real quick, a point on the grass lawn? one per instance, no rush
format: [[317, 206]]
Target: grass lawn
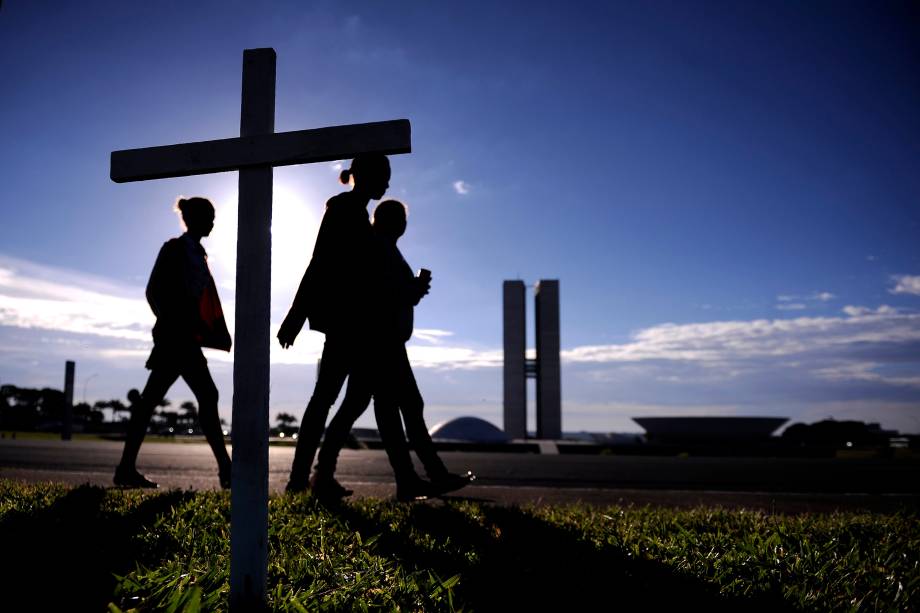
[[48, 436], [89, 548]]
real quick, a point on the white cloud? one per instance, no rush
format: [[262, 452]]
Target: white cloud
[[34, 296], [431, 335], [858, 311], [67, 302], [454, 357], [866, 354], [725, 342], [799, 303], [906, 284], [462, 187], [865, 371]]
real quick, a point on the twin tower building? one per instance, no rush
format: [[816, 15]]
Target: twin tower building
[[545, 368]]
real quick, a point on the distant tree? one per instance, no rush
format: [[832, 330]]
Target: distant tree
[[285, 420], [84, 413], [837, 434], [171, 418], [4, 406], [81, 411], [286, 423], [116, 406], [189, 415], [164, 422], [24, 408], [50, 403], [120, 407]]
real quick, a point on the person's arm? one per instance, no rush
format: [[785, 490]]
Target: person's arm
[[421, 287], [297, 314], [155, 283], [408, 289], [310, 284]]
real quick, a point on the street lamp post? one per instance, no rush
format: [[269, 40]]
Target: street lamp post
[[86, 382]]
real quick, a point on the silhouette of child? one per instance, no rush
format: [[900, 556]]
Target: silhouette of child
[[396, 390], [183, 297]]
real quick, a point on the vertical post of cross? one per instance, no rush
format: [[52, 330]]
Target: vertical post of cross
[[249, 493], [67, 421]]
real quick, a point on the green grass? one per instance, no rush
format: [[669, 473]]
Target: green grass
[[89, 548], [48, 436]]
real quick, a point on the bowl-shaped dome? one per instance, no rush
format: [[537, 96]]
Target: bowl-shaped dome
[[709, 428], [469, 429]]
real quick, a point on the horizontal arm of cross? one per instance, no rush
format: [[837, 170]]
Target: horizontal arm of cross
[[278, 149]]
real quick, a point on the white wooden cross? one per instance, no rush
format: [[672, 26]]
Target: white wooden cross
[[257, 150]]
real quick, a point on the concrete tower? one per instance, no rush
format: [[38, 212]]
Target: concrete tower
[[545, 369], [549, 383], [515, 377]]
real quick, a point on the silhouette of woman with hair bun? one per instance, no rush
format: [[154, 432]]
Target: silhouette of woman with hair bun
[[182, 294], [337, 294]]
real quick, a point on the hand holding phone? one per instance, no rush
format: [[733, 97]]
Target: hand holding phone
[[424, 278]]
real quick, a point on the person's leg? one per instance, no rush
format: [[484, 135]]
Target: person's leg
[[158, 383], [333, 369], [357, 397], [199, 380], [388, 394], [412, 406]]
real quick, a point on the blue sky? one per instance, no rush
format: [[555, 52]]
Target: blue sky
[[727, 192]]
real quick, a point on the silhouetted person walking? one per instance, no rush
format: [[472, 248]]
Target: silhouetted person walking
[[336, 293], [182, 294], [395, 390]]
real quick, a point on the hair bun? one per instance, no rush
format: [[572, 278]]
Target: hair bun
[[345, 176]]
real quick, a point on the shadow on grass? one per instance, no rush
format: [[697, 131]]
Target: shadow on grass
[[64, 557], [510, 560]]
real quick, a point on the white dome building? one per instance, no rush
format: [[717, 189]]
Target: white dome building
[[468, 430]]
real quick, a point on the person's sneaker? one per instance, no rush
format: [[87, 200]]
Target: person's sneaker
[[297, 484], [224, 477], [327, 488], [450, 482], [413, 490], [132, 478]]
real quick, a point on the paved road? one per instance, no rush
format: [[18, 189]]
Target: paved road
[[782, 484]]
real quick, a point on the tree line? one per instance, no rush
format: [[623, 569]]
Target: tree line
[[31, 409], [27, 409]]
